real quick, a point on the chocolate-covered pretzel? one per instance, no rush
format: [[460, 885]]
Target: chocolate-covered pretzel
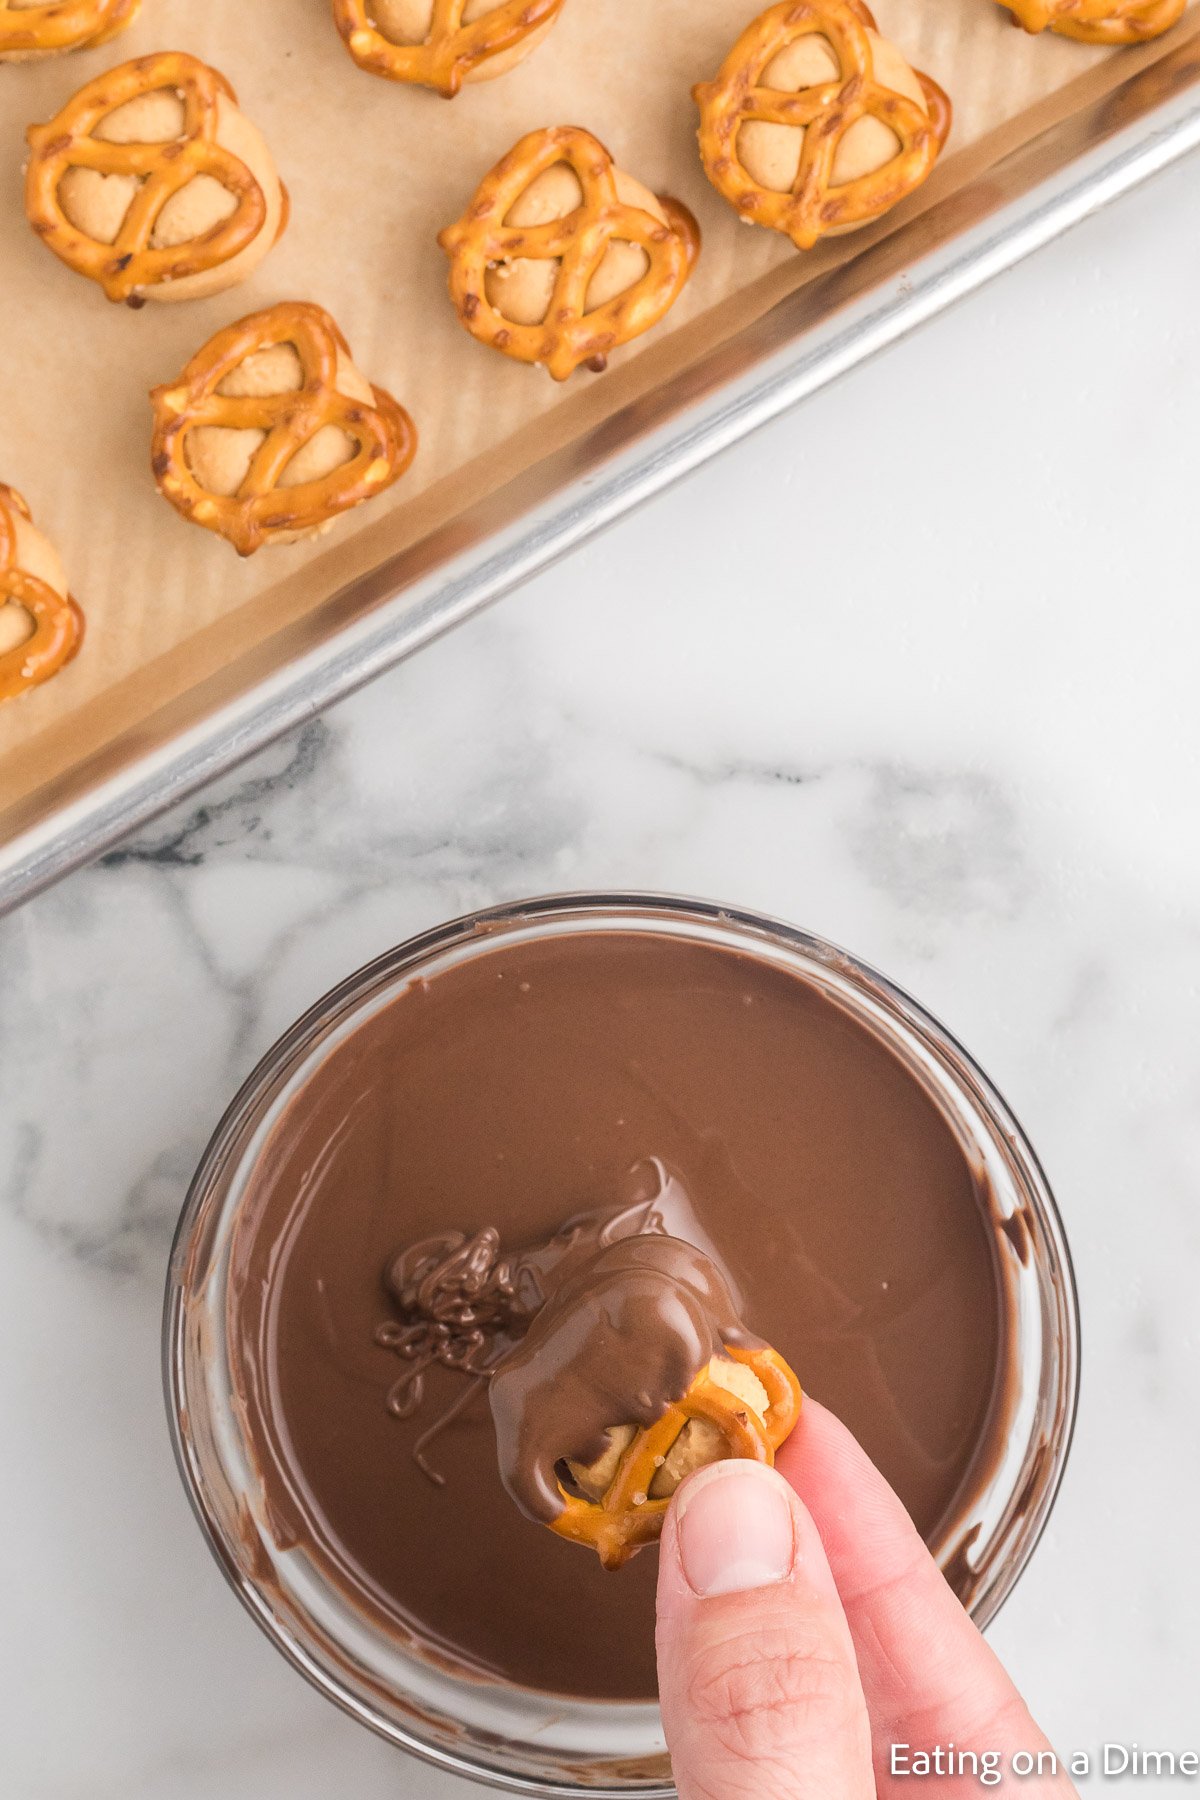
[[630, 1510]]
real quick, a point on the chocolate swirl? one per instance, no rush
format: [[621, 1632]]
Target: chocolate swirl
[[457, 1302]]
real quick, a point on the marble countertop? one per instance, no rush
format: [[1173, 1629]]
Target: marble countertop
[[914, 668]]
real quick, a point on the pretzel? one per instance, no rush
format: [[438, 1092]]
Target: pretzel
[[627, 1517], [28, 31], [453, 51], [568, 334], [1098, 21], [825, 113], [57, 620], [132, 263], [260, 511]]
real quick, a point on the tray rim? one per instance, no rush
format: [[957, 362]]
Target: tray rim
[[786, 356]]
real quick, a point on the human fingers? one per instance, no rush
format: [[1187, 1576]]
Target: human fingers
[[929, 1678], [760, 1695]]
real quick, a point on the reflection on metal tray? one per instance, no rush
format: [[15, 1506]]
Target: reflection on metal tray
[[1124, 132]]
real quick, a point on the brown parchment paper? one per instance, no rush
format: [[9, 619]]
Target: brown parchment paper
[[374, 170]]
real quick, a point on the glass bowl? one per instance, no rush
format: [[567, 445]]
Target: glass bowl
[[517, 1739]]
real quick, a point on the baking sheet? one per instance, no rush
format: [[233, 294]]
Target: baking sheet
[[374, 171]]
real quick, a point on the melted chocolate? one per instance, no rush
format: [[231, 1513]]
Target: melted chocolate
[[521, 1088], [617, 1342], [606, 1323]]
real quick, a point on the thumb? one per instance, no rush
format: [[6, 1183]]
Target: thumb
[[758, 1683]]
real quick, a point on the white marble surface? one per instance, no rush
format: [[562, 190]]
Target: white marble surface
[[915, 668]]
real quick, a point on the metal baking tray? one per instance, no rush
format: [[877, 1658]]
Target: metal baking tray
[[1127, 116]]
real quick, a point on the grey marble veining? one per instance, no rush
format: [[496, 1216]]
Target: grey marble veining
[[938, 706]]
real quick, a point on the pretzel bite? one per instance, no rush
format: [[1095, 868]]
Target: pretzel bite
[[153, 184], [561, 256], [1098, 21], [816, 125], [36, 28], [271, 431], [41, 627], [743, 1403], [442, 43], [700, 1442]]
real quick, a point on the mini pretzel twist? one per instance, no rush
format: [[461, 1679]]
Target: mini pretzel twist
[[57, 620], [627, 1518], [384, 436], [579, 241], [67, 142], [1098, 21], [452, 50], [825, 114], [62, 25]]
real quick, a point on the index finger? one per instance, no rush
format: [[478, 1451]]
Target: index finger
[[929, 1678]]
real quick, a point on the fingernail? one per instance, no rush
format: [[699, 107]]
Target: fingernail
[[734, 1523]]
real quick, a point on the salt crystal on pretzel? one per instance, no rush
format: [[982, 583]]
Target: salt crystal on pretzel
[[815, 125]]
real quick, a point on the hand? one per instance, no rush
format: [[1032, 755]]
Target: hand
[[804, 1629]]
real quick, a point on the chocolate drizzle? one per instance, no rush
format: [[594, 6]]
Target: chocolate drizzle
[[456, 1302], [462, 1305]]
